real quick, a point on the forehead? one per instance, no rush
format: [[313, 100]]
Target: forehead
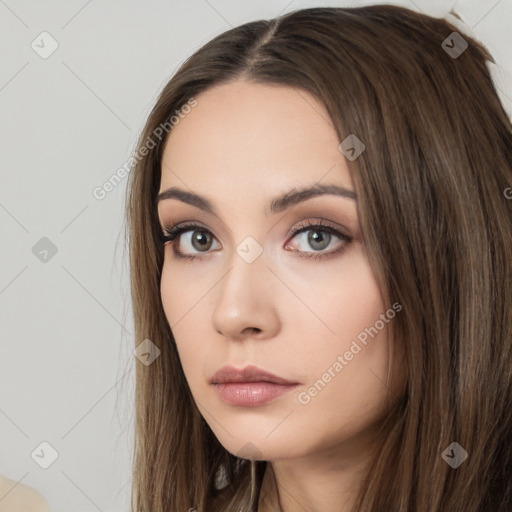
[[250, 137]]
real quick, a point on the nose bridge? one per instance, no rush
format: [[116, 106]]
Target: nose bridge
[[244, 297], [247, 270]]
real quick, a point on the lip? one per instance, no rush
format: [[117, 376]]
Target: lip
[[251, 394], [250, 386], [249, 373]]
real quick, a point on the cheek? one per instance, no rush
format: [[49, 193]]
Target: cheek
[[182, 289], [184, 293], [178, 300], [344, 298], [168, 293], [347, 364]]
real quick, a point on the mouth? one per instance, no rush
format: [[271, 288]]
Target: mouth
[[249, 373], [250, 386], [251, 394]]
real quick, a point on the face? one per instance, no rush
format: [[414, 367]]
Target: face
[[287, 289]]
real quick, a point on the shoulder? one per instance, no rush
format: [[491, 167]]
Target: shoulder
[[18, 497]]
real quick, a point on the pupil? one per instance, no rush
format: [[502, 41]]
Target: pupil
[[317, 237], [200, 238]]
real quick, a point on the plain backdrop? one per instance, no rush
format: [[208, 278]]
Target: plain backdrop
[[68, 121]]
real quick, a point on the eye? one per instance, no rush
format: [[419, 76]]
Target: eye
[[197, 237], [319, 237]]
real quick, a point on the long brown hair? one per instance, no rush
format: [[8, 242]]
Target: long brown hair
[[437, 228]]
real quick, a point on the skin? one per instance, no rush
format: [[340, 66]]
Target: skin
[[17, 497], [242, 145]]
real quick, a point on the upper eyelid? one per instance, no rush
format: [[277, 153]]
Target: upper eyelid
[[286, 202], [304, 226]]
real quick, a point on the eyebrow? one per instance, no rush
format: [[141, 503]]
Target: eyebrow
[[277, 205]]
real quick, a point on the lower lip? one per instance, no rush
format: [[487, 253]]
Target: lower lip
[[251, 394]]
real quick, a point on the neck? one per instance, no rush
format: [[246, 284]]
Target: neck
[[327, 481]]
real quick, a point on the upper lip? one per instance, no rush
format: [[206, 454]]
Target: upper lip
[[247, 374]]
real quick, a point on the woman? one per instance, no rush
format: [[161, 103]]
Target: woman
[[321, 247]]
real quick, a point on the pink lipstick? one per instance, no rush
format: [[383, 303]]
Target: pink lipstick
[[250, 386]]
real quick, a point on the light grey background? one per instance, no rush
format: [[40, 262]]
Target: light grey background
[[67, 123]]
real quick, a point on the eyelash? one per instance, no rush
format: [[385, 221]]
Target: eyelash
[[174, 232]]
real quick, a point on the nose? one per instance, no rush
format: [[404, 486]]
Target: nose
[[245, 304]]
